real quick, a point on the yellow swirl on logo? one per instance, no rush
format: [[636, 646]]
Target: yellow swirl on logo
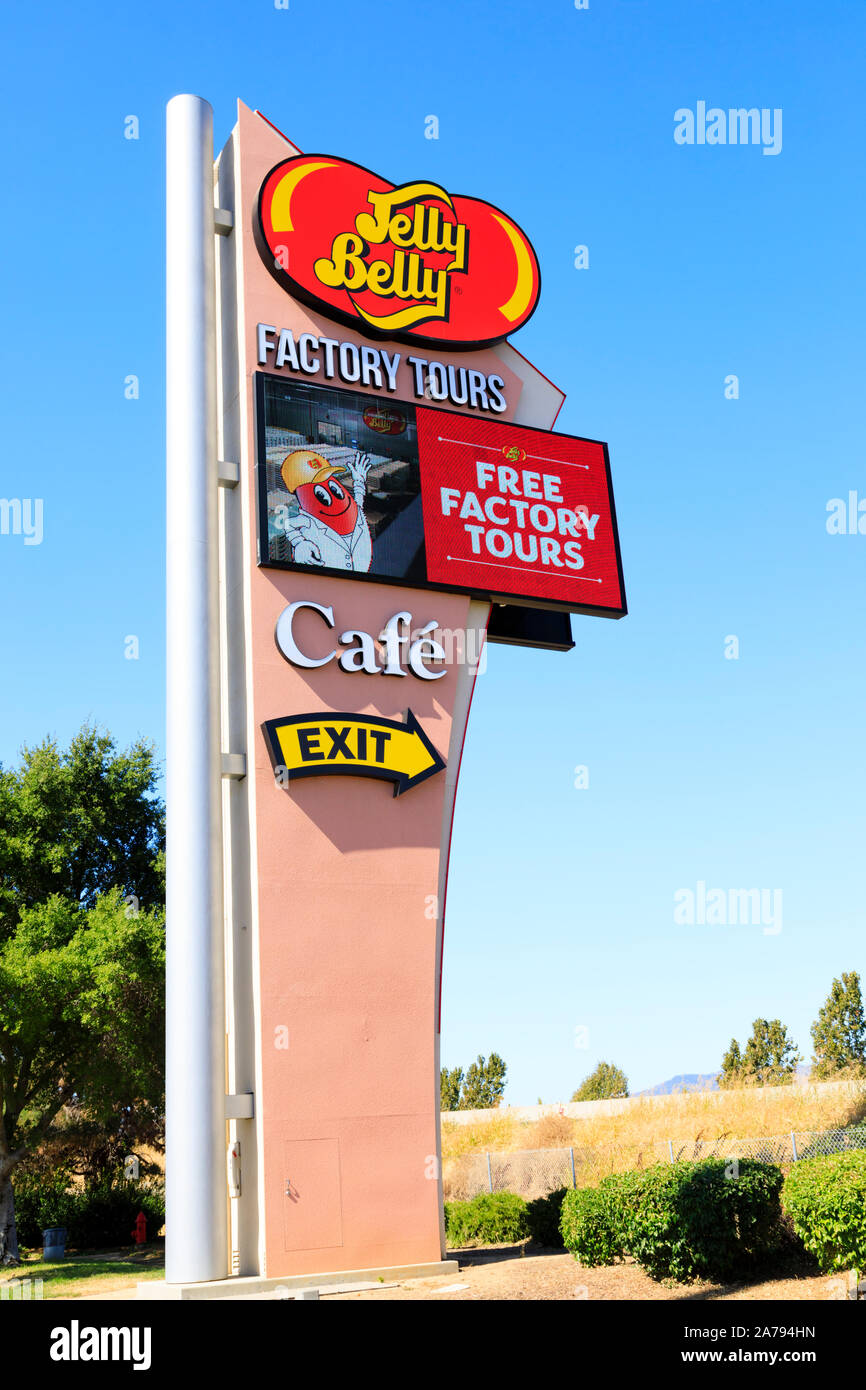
[[402, 318], [522, 292], [281, 199]]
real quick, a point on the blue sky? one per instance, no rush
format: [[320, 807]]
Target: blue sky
[[705, 261]]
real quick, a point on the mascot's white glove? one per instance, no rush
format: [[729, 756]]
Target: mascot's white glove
[[304, 550], [359, 466]]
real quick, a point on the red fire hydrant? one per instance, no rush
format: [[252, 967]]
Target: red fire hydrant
[[139, 1234]]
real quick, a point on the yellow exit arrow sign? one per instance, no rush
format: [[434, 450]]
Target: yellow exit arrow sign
[[358, 745]]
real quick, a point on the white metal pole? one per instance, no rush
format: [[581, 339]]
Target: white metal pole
[[196, 1236]]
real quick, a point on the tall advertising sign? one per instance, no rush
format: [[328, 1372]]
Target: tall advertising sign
[[391, 488]]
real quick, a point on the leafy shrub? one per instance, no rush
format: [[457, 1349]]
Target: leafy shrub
[[99, 1215], [682, 1221], [38, 1206], [586, 1229], [826, 1200], [688, 1221], [620, 1193], [493, 1218], [544, 1215], [754, 1199], [106, 1214]]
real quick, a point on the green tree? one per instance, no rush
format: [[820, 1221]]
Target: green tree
[[480, 1089], [94, 1149], [770, 1057], [607, 1082], [839, 1032], [731, 1073], [484, 1084], [82, 944], [450, 1084]]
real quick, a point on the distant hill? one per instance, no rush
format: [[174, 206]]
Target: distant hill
[[699, 1081], [687, 1081]]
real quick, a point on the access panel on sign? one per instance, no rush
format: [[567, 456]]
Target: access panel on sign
[[312, 1201]]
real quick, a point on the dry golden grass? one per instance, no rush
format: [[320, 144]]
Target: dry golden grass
[[749, 1113], [551, 1132], [497, 1134]]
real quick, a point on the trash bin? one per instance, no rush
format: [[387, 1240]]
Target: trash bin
[[54, 1243]]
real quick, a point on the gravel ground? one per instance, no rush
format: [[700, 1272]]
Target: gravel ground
[[507, 1272]]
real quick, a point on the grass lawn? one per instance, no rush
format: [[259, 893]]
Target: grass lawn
[[89, 1271]]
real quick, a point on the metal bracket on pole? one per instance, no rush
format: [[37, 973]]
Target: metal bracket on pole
[[234, 766], [240, 1107], [228, 473], [223, 221]]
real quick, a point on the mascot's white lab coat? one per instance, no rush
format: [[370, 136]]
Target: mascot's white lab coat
[[315, 543]]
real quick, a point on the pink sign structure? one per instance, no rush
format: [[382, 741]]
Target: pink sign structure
[[304, 990]]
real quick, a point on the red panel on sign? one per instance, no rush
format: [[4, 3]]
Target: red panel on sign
[[513, 510]]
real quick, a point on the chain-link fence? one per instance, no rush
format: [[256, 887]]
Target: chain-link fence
[[529, 1172], [535, 1172], [780, 1148]]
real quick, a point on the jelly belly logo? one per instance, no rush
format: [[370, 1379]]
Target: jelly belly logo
[[383, 420], [411, 262]]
